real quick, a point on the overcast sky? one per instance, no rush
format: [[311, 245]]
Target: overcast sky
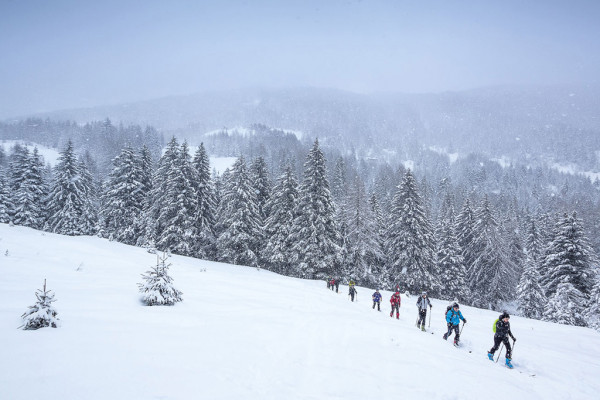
[[63, 54]]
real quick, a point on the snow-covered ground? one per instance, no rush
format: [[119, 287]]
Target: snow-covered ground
[[244, 333], [572, 169], [50, 155]]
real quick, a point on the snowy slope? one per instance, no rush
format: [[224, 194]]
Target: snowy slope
[[50, 155], [241, 333]]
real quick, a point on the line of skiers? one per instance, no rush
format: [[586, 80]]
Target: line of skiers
[[453, 317], [333, 283]]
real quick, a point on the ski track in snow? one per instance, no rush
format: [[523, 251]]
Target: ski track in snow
[[241, 333]]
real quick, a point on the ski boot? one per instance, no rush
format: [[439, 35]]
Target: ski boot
[[445, 336], [423, 328], [456, 343], [508, 363], [491, 356]]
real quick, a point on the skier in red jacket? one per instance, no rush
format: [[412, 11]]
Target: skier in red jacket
[[395, 301]]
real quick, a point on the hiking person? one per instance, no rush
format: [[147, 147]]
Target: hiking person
[[453, 317], [376, 300], [352, 290], [337, 285], [328, 282], [502, 329], [395, 301], [332, 283], [422, 305]]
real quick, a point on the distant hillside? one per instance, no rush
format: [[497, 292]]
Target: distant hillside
[[558, 123]]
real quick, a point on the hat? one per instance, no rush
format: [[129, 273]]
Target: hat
[[504, 315], [424, 294], [455, 305]]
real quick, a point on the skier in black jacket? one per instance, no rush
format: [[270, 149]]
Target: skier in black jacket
[[501, 336]]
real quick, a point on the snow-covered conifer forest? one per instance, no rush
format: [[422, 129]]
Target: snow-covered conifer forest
[[517, 236]]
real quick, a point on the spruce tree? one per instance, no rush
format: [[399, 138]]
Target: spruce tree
[[259, 175], [123, 199], [314, 231], [18, 165], [207, 204], [529, 292], [5, 199], [89, 219], [69, 199], [239, 241], [365, 253], [181, 228], [569, 258], [464, 230], [490, 274], [566, 306], [593, 312], [339, 182], [157, 288], [282, 205], [410, 241], [141, 225], [42, 314], [534, 247], [30, 191], [173, 205], [512, 238], [449, 258], [378, 220]]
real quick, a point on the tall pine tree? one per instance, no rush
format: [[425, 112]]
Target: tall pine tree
[[31, 191], [410, 241], [464, 230], [365, 253], [568, 272], [529, 291], [123, 200], [207, 204], [449, 258], [5, 199], [239, 242], [490, 274], [314, 231], [282, 206], [69, 201]]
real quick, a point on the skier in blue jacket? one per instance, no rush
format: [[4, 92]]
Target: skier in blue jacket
[[377, 300], [453, 317]]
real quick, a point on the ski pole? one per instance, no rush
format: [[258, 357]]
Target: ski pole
[[429, 325], [500, 352], [514, 344], [463, 327]]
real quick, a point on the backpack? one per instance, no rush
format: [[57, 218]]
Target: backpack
[[495, 322], [448, 309]]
